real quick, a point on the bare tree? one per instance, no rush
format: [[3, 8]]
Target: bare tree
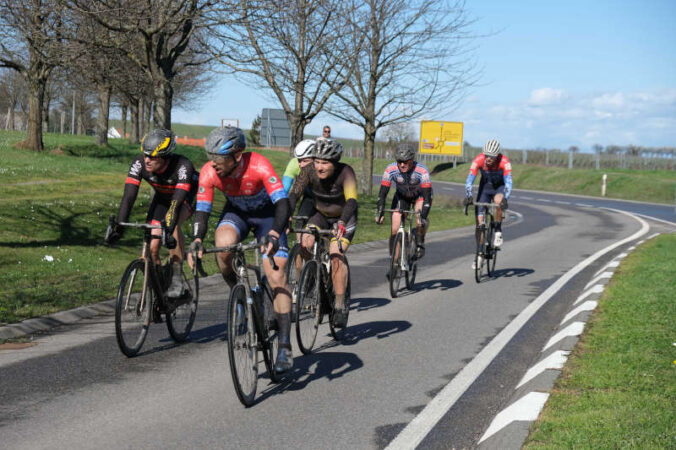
[[31, 34], [292, 47], [414, 61], [14, 92], [398, 133], [162, 30]]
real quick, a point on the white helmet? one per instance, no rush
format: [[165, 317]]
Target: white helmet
[[492, 148], [305, 149]]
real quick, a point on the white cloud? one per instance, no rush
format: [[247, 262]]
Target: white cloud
[[613, 101], [546, 96]]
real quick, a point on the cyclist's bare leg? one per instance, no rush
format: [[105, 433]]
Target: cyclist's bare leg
[[422, 230], [477, 233], [339, 272], [278, 284], [396, 221], [307, 242], [177, 254], [155, 245], [498, 211], [226, 235]]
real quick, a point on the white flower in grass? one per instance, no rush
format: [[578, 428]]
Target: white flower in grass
[[48, 258]]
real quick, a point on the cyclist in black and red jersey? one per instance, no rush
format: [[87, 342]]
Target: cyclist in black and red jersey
[[413, 188], [256, 201], [333, 186], [174, 180]]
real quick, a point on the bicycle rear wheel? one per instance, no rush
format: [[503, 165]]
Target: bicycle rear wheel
[[242, 346], [181, 315], [412, 260], [339, 333], [479, 261], [132, 309], [395, 266], [307, 306], [490, 250]]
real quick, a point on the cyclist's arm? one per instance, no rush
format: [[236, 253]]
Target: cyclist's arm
[[350, 193], [275, 190], [131, 186], [290, 174], [384, 190], [426, 191], [299, 185], [506, 175], [473, 171], [185, 171], [205, 198]]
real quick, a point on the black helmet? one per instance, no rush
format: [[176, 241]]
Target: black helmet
[[224, 141], [159, 142], [405, 151], [328, 149]]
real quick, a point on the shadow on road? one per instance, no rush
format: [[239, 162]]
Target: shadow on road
[[514, 272], [364, 303], [442, 285]]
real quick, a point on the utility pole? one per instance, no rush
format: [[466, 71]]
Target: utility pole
[[72, 119]]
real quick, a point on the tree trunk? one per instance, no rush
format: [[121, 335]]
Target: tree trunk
[[63, 120], [147, 110], [297, 127], [366, 182], [164, 96], [102, 120], [10, 117], [124, 120], [34, 132], [133, 111], [45, 113]]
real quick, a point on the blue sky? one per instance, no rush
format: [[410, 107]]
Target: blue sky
[[555, 74]]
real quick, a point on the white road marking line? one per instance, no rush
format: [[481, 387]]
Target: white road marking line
[[526, 198], [421, 425], [656, 219], [599, 278], [583, 204], [527, 408], [631, 249], [594, 290], [544, 200], [561, 203], [589, 305], [574, 329], [449, 189], [624, 255], [652, 236], [554, 361], [610, 265]]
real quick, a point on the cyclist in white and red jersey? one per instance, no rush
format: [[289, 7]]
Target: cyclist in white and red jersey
[[495, 185], [413, 188], [174, 180], [256, 201]]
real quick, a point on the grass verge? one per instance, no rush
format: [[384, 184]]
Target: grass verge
[[55, 210], [618, 388]]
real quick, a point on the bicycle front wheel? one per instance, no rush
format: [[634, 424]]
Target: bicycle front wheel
[[412, 260], [395, 266], [270, 330], [293, 268], [307, 306], [181, 315], [489, 250], [242, 346], [132, 309]]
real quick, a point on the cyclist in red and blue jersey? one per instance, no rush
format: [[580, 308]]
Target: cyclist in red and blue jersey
[[256, 201], [174, 180], [413, 187], [495, 185]]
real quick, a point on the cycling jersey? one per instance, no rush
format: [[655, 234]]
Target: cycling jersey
[[410, 186], [251, 190], [492, 177], [173, 186], [335, 196], [290, 174]]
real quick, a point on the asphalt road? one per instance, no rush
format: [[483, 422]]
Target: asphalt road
[[75, 389]]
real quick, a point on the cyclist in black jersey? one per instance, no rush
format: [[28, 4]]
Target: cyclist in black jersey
[[174, 180], [413, 188], [333, 186]]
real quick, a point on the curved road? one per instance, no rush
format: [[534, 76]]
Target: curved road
[[75, 389]]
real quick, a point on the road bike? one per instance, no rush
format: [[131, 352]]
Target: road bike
[[403, 262], [486, 253], [142, 297], [295, 264], [314, 291], [251, 326]]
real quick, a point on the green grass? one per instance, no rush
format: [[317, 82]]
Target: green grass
[[642, 185], [618, 389], [56, 205]]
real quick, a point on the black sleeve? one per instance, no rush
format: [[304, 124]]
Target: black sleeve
[[427, 202], [128, 199], [282, 214], [382, 196], [349, 210], [199, 229]]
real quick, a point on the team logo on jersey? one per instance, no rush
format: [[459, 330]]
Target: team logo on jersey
[[272, 180], [182, 173], [135, 168], [400, 179], [201, 190]]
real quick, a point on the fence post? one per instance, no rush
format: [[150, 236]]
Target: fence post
[[598, 160], [603, 186], [570, 159], [525, 156], [546, 157]]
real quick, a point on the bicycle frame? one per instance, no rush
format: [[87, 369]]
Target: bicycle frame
[[405, 232]]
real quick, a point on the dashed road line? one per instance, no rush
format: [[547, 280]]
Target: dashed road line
[[554, 361], [574, 329], [589, 305], [606, 274], [593, 290], [527, 408]]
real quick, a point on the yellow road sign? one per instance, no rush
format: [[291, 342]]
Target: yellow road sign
[[441, 137]]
